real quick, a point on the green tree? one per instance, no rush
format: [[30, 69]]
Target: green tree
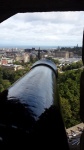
[[6, 84], [66, 111], [1, 88]]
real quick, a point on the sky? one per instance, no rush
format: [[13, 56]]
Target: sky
[[43, 29]]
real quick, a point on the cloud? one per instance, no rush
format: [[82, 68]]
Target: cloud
[[47, 28]]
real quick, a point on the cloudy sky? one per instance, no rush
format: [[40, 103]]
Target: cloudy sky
[[43, 29]]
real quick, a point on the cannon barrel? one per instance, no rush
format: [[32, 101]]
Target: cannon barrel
[[30, 109]]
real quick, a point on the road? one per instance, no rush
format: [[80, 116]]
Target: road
[[74, 143]]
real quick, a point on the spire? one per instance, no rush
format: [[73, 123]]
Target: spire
[[39, 53], [83, 48]]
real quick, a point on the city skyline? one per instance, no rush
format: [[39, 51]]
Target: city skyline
[[42, 29]]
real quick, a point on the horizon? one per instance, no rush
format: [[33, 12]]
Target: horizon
[[34, 46]]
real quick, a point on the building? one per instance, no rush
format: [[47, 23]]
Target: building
[[4, 61], [22, 57], [62, 54], [26, 57], [71, 54], [13, 67]]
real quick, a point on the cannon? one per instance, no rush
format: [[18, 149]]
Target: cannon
[[30, 111]]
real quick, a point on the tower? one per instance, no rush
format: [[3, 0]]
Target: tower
[[83, 48], [39, 53]]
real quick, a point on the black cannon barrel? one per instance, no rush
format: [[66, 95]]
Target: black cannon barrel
[[30, 109]]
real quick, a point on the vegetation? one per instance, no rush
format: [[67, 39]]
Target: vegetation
[[9, 77], [69, 91], [56, 61], [74, 65]]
